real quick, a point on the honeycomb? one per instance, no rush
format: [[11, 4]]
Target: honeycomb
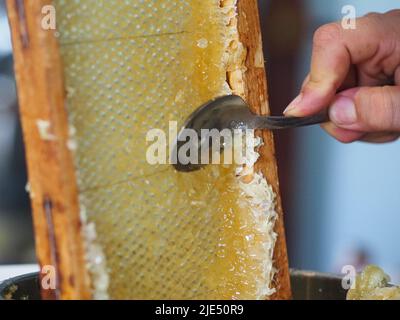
[[151, 232], [373, 284]]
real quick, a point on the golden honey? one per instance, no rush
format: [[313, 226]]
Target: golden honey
[[373, 284], [153, 233]]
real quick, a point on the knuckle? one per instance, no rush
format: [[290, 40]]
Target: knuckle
[[372, 21], [327, 33], [373, 16], [395, 13]]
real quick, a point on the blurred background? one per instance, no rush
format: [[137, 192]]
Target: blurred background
[[342, 202]]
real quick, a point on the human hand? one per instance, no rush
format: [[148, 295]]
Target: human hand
[[357, 74]]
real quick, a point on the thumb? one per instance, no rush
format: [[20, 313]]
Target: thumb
[[367, 109]]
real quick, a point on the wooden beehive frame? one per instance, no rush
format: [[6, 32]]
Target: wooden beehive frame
[[257, 97], [54, 195], [54, 192]]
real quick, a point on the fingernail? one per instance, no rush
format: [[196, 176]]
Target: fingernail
[[343, 111], [292, 106]]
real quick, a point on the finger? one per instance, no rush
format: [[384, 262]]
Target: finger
[[375, 109], [305, 81], [380, 137], [350, 81], [342, 135], [334, 51], [348, 136], [397, 76], [366, 79]]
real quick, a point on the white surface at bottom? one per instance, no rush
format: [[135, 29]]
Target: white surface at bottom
[[10, 271]]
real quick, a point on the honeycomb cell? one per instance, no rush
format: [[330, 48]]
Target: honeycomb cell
[[131, 66]]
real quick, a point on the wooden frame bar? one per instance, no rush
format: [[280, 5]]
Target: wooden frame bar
[[53, 187], [257, 97]]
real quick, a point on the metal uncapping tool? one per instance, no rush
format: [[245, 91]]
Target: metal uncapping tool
[[232, 112]]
